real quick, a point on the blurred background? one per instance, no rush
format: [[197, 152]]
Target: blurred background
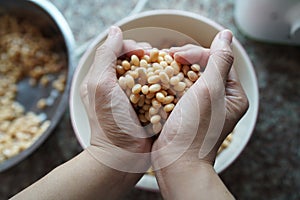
[[268, 168]]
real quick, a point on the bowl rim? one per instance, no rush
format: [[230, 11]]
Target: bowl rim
[[69, 41], [173, 12]]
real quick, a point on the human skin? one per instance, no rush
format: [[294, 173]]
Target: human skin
[[88, 176], [119, 155], [201, 120]]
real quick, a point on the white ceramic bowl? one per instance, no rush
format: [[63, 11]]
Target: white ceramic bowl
[[179, 26]]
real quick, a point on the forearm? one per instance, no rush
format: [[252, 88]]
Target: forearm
[[81, 178], [191, 182]]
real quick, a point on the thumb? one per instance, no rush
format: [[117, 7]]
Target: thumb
[[113, 42], [102, 72], [221, 56], [105, 57], [214, 78], [110, 49]]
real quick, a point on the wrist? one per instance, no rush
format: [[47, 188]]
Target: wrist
[[184, 168], [173, 159], [119, 159], [108, 182], [167, 169], [182, 180]]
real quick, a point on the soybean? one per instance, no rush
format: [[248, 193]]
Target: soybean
[[154, 83]]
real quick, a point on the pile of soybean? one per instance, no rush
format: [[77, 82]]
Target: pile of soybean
[[154, 84]]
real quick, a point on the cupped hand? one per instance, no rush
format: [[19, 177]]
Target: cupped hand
[[117, 138], [207, 112]]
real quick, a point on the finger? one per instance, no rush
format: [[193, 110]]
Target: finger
[[102, 75], [214, 79], [190, 54], [234, 90], [146, 47], [233, 82], [237, 101], [173, 50], [131, 47], [221, 56], [113, 42], [193, 55], [107, 53]]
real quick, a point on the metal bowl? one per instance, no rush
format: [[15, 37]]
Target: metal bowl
[[51, 22]]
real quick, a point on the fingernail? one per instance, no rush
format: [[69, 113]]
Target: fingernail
[[226, 36]]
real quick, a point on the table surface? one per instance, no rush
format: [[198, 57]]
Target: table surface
[[269, 166]]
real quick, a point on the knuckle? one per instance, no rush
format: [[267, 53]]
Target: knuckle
[[241, 107], [144, 45], [224, 55], [244, 104], [190, 45]]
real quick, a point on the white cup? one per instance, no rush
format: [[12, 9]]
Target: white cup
[[269, 20]]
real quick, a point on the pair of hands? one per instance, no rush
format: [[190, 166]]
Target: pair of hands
[[195, 129], [120, 151]]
